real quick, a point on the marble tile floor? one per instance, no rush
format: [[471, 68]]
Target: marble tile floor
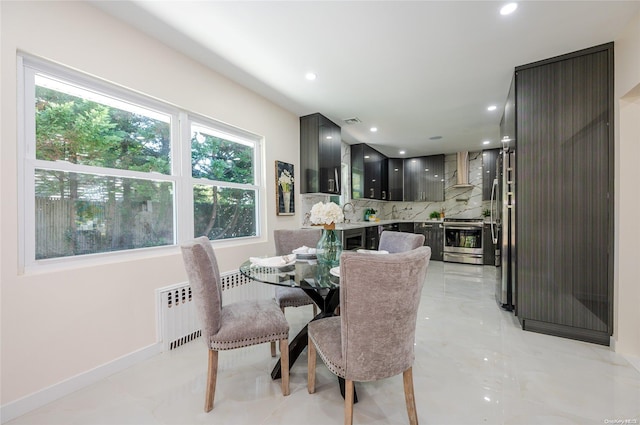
[[474, 365]]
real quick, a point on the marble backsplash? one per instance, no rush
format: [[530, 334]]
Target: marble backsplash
[[459, 202]]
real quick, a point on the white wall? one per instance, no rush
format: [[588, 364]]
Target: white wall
[[56, 325], [627, 232]]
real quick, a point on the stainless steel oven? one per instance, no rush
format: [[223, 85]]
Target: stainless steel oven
[[463, 240]]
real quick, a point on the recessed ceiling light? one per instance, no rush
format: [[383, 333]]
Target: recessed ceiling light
[[373, 129], [508, 8], [402, 152], [492, 108], [310, 76], [486, 142]]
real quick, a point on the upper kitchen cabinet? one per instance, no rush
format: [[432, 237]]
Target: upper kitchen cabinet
[[320, 155], [489, 159], [369, 173], [396, 179], [424, 178]]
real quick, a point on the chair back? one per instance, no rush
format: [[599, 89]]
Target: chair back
[[204, 276], [379, 299], [288, 240], [395, 242]]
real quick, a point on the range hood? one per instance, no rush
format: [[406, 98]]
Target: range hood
[[462, 172]]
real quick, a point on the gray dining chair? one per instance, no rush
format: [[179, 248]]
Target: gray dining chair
[[286, 240], [236, 325], [395, 242], [374, 336]]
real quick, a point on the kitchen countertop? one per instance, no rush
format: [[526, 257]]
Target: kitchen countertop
[[358, 224]]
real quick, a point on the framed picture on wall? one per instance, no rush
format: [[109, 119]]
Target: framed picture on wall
[[285, 199]]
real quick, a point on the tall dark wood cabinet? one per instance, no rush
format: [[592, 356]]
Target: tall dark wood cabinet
[[320, 155], [396, 179], [564, 195], [369, 173]]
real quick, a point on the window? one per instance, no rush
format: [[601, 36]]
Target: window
[[103, 170], [224, 190]]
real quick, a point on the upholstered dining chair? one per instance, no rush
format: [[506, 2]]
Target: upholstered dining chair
[[287, 240], [374, 336], [395, 242], [236, 325]]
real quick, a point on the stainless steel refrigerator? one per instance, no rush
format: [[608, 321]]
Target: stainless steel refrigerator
[[503, 203]]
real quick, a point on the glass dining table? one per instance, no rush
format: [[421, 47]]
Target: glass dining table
[[320, 282]]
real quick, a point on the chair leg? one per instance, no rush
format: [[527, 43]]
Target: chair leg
[[311, 367], [284, 365], [407, 377], [273, 343], [212, 375], [315, 310], [348, 402]]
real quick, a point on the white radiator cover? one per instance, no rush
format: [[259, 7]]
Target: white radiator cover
[[178, 321]]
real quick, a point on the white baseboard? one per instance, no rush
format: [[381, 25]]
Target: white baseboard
[[45, 396], [635, 361]]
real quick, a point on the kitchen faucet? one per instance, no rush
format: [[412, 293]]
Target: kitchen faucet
[[344, 207]]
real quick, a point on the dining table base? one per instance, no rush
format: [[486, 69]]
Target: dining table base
[[327, 304]]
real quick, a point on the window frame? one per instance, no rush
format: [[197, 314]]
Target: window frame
[[180, 174]]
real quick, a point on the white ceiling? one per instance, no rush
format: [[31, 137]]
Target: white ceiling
[[413, 69]]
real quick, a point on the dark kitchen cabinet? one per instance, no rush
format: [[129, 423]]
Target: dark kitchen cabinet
[[564, 188], [488, 247], [489, 159], [424, 178], [369, 173], [406, 227], [433, 237], [372, 237], [320, 155], [396, 179]]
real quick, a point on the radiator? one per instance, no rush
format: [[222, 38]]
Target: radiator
[[177, 316]]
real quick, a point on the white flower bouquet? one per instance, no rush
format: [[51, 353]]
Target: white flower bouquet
[[285, 181], [326, 214]]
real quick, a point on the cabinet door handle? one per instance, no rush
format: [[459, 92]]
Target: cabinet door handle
[[384, 194], [335, 171], [371, 195]]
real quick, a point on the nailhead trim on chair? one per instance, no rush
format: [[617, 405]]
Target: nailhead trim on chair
[[230, 345], [294, 304], [333, 367]]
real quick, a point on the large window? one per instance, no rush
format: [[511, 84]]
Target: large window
[[224, 191], [103, 170]]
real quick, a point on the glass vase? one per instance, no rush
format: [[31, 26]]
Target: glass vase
[[329, 247], [328, 252]]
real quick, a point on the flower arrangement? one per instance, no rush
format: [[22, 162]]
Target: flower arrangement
[[285, 181], [326, 214]]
